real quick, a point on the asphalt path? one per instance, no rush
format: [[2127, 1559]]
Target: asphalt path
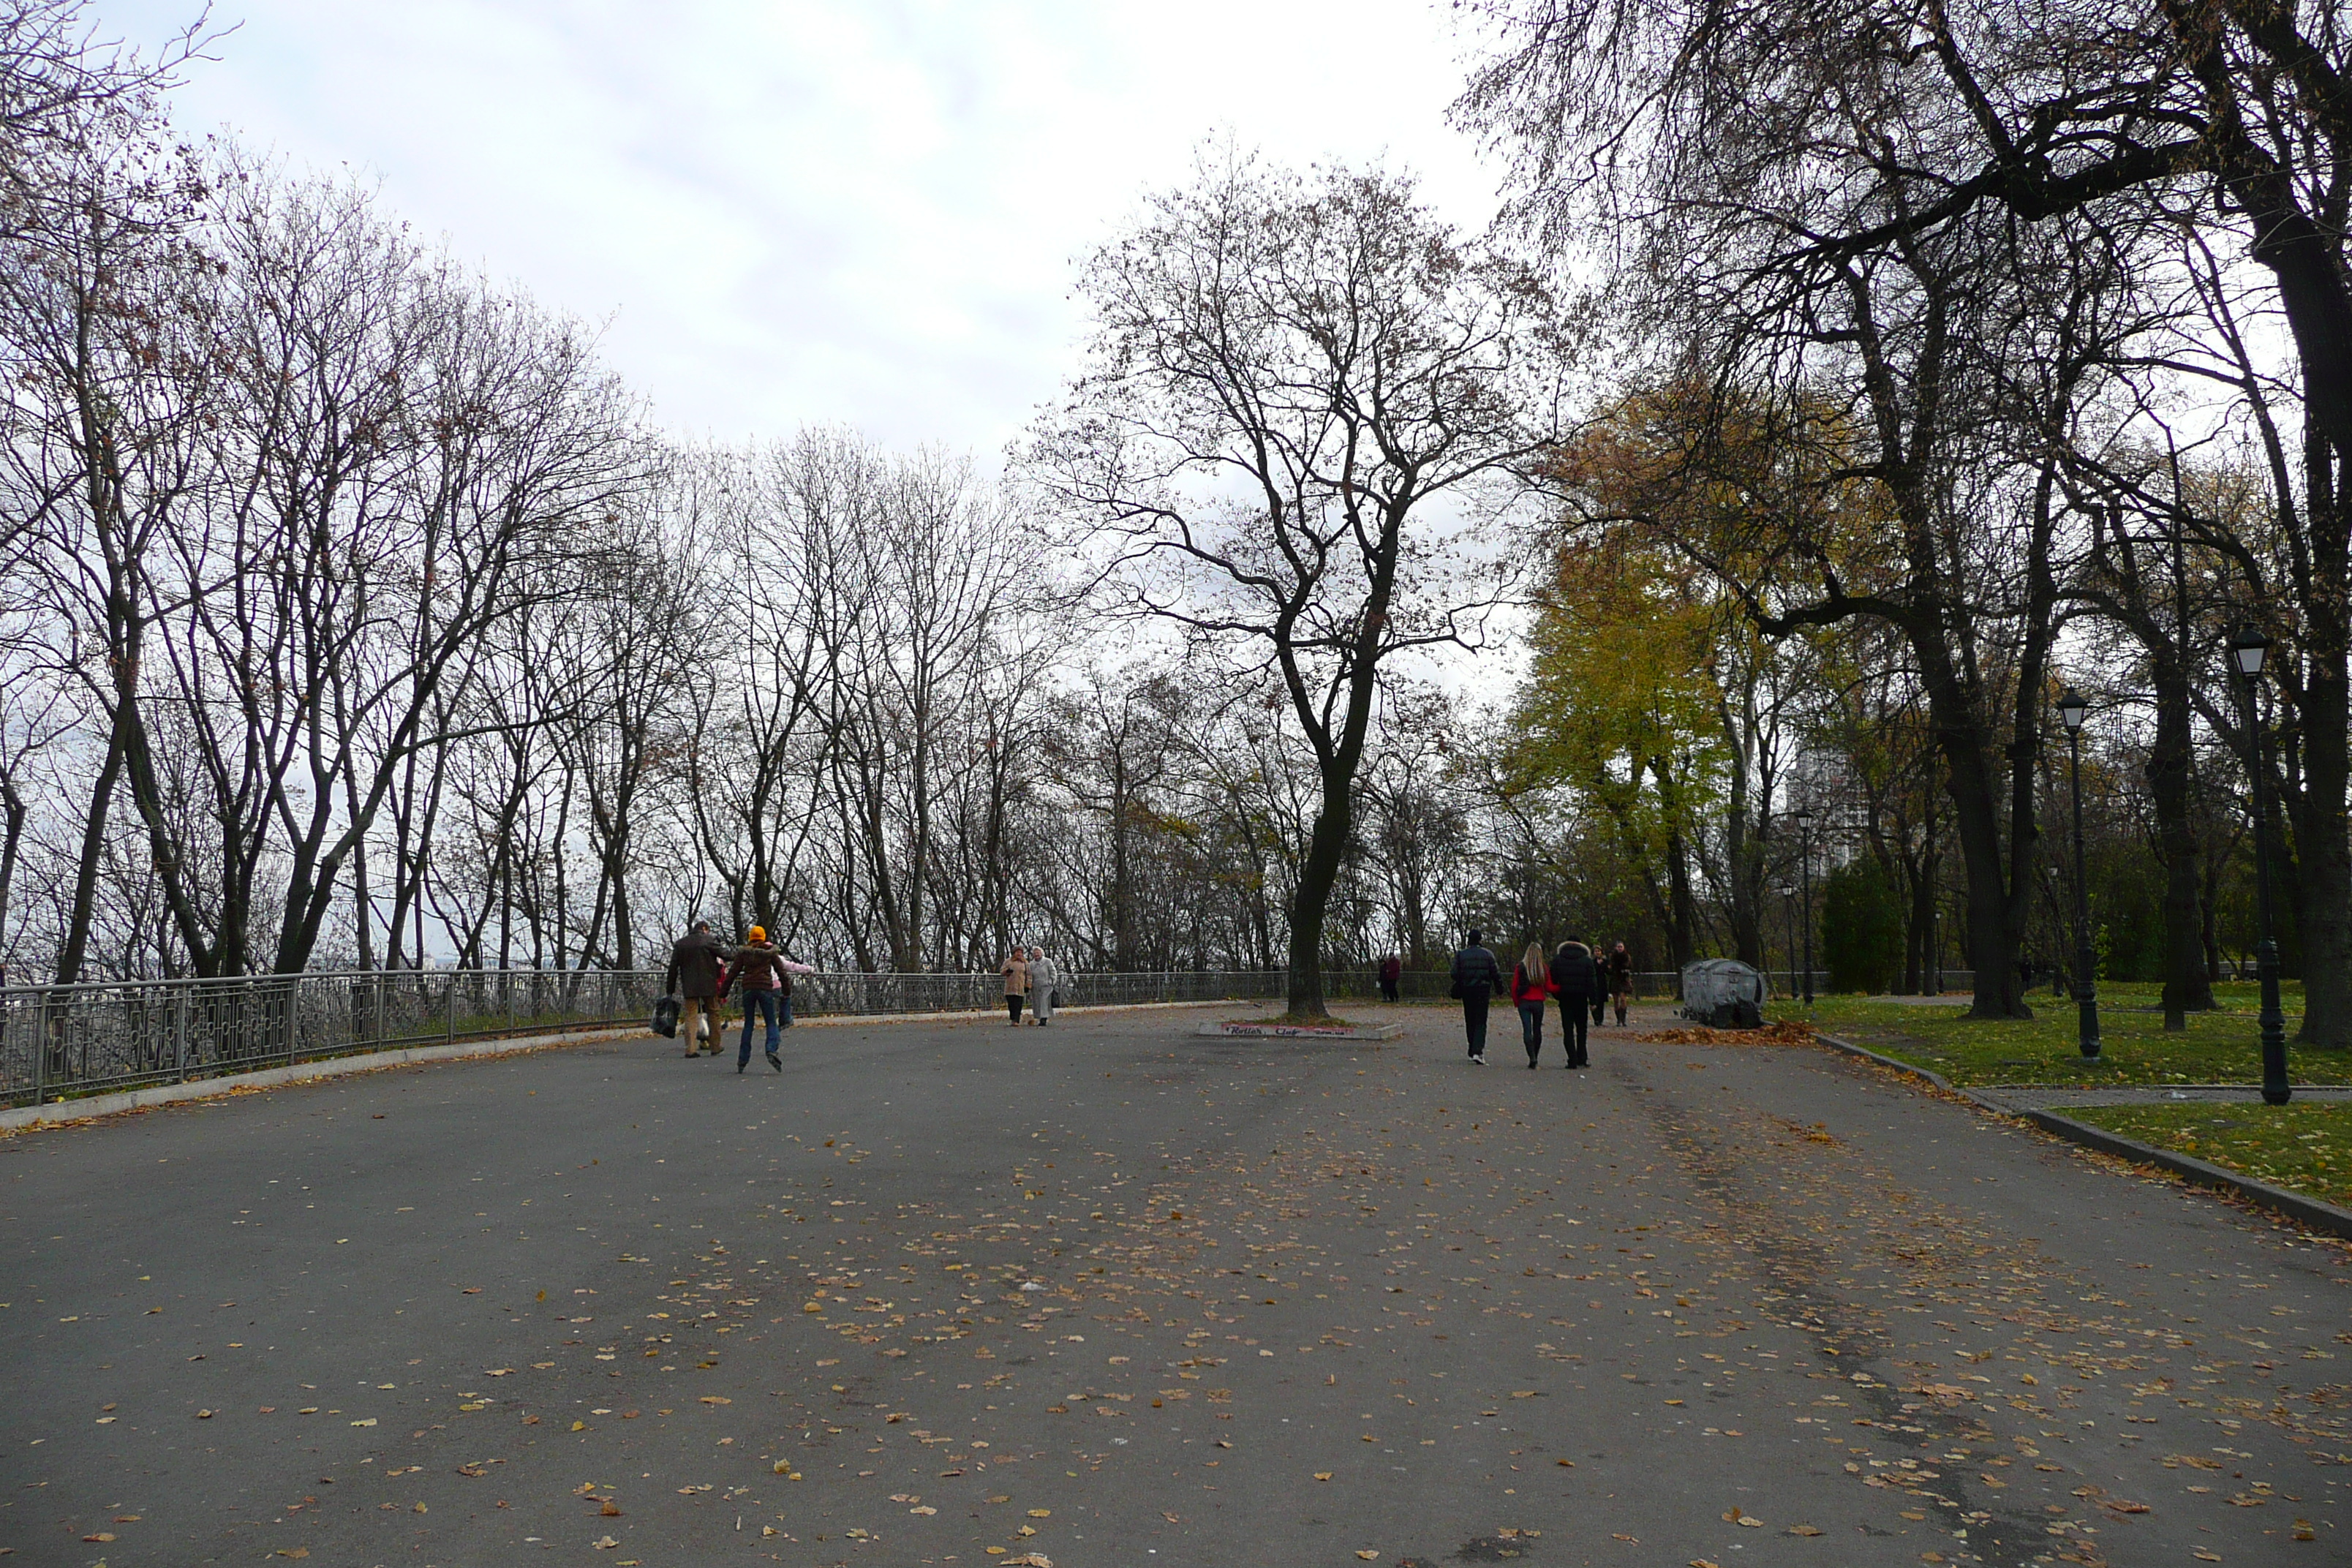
[[1110, 1293]]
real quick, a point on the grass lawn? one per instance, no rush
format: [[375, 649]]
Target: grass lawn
[[2221, 1046], [2306, 1146]]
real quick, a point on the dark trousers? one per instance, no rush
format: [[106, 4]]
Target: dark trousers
[[1388, 988], [1474, 1019], [1571, 1030], [1012, 1005], [1599, 1002], [1531, 1028], [760, 1003]]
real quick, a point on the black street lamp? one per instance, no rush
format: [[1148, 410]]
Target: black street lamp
[[2247, 649], [1788, 891], [1805, 876], [2073, 708]]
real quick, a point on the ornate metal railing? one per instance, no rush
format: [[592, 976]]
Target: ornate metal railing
[[64, 1041], [60, 1042]]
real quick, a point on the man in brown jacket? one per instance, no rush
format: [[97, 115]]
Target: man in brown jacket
[[694, 962]]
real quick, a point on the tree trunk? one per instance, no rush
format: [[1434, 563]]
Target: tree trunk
[[1992, 938], [2186, 987], [1317, 875], [93, 852]]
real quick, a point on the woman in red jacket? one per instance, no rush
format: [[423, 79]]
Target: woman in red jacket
[[1531, 983]]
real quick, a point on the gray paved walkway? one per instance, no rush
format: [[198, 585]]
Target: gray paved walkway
[[1113, 1293]]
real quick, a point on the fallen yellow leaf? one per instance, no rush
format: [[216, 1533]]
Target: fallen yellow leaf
[[1322, 1475]]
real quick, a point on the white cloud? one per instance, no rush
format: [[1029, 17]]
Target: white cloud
[[821, 210]]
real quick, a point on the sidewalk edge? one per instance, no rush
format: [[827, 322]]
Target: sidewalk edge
[[2315, 1213]]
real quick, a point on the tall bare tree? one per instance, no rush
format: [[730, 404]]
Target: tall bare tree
[[1295, 388]]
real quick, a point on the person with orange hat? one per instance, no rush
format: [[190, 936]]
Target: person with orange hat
[[764, 978]]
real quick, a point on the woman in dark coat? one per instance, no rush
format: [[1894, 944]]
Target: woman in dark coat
[[1620, 980]]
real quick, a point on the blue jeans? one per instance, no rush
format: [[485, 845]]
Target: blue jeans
[[759, 1002], [1531, 1027]]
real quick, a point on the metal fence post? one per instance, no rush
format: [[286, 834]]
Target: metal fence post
[[449, 1010]]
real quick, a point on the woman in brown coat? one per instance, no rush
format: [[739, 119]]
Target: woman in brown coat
[[1016, 983]]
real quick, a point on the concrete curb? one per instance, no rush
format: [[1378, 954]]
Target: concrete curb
[[17, 1119], [2313, 1214]]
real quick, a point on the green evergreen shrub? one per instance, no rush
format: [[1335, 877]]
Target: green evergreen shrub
[[1862, 927]]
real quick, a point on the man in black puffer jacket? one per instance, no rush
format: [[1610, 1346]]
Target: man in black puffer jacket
[[1476, 977], [1578, 981]]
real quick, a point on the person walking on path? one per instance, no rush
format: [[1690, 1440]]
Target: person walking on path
[[1391, 972], [1041, 979], [693, 962], [1531, 983], [1476, 977], [1016, 983], [1578, 980], [1620, 980], [784, 992], [762, 974]]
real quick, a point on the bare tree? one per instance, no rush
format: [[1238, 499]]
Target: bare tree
[[1292, 380]]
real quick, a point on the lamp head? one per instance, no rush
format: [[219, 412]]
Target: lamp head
[[2248, 647], [2073, 707]]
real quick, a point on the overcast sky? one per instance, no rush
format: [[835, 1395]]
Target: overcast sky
[[855, 211]]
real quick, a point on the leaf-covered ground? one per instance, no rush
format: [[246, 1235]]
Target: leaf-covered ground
[[2220, 1047], [2305, 1146], [954, 1293]]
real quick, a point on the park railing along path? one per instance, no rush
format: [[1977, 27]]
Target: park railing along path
[[66, 1041], [59, 1042]]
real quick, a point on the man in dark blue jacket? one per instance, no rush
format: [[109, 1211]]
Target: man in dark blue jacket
[[1476, 977], [1578, 981]]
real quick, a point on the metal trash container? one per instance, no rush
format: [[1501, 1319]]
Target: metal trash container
[[1723, 994]]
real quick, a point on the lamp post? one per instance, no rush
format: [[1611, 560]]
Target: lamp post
[[1788, 891], [2247, 649], [1805, 877], [2073, 708]]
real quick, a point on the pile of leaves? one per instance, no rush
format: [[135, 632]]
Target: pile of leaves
[[1783, 1034]]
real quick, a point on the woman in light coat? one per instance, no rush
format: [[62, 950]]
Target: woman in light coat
[[1042, 981]]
